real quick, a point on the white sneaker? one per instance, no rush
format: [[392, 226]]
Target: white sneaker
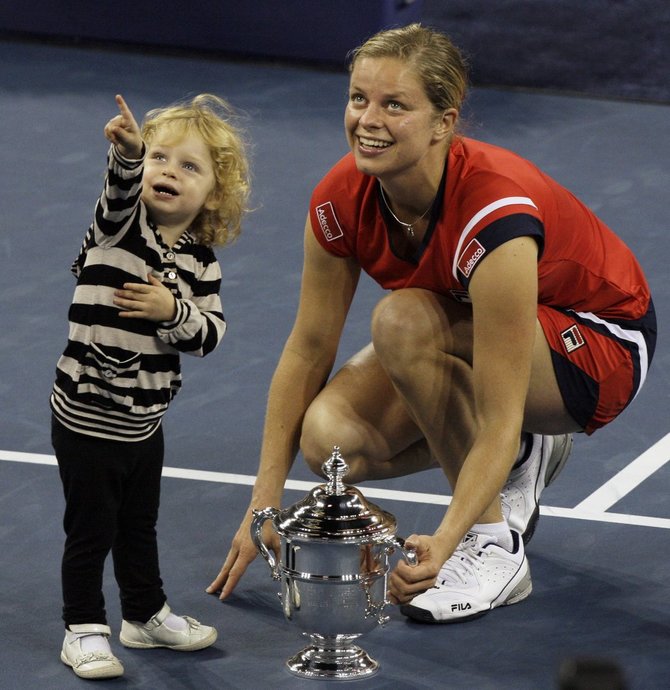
[[158, 633], [521, 493], [90, 658], [479, 576]]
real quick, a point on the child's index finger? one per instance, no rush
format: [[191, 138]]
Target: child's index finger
[[123, 106]]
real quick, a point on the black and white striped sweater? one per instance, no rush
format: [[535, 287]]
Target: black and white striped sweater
[[117, 376]]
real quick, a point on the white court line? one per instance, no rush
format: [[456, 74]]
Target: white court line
[[628, 478], [27, 457], [577, 513]]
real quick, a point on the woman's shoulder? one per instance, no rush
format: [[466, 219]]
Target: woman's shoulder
[[343, 184], [343, 172], [479, 160], [483, 153]]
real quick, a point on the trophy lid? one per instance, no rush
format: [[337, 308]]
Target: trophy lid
[[335, 511]]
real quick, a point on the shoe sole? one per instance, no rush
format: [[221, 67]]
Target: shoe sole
[[554, 468], [194, 647], [521, 591], [423, 616]]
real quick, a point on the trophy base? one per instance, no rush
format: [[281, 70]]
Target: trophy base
[[332, 658]]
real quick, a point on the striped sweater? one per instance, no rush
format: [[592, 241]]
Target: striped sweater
[[117, 376]]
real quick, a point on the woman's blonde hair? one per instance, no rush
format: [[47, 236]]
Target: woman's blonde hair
[[212, 118], [436, 60]]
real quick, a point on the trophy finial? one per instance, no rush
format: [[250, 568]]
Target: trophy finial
[[335, 468]]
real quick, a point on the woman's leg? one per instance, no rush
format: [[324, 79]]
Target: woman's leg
[[412, 388], [360, 411], [424, 343]]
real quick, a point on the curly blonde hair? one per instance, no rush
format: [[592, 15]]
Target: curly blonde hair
[[212, 118]]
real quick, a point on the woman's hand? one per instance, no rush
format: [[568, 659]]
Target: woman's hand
[[406, 581], [242, 552]]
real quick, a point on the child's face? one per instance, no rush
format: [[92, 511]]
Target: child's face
[[178, 178]]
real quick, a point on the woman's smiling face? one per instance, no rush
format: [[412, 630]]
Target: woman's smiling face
[[389, 121]]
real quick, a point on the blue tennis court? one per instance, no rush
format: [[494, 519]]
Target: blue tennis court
[[599, 561]]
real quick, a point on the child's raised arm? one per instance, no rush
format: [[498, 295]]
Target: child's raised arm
[[123, 131]]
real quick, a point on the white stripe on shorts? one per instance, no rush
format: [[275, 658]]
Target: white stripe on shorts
[[632, 336]]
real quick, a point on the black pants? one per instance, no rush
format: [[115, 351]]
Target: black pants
[[112, 494]]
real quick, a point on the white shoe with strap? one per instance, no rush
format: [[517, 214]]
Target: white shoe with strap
[[160, 631], [87, 651]]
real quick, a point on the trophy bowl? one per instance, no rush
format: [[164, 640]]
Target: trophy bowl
[[333, 563]]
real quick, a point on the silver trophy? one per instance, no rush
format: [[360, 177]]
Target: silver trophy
[[335, 549]]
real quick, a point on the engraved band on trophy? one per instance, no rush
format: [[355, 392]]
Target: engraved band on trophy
[[335, 549]]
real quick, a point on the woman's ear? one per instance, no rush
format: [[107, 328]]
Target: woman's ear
[[447, 123]]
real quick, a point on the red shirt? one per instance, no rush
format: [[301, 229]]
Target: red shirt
[[489, 195]]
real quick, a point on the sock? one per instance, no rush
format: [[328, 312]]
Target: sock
[[175, 622], [92, 643], [499, 530], [525, 448]]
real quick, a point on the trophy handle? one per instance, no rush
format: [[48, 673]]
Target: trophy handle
[[260, 516], [390, 544], [397, 542]]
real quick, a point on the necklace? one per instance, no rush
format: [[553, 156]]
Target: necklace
[[409, 227]]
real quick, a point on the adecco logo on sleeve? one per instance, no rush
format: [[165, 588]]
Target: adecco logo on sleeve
[[470, 256], [328, 221]]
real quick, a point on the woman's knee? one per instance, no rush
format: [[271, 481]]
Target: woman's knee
[[410, 321], [327, 426], [322, 429], [397, 324]]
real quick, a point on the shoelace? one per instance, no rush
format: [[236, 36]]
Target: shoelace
[[464, 562]]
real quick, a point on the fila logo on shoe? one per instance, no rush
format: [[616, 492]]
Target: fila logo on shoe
[[460, 607]]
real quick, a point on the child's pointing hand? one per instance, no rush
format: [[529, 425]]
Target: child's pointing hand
[[124, 132]]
